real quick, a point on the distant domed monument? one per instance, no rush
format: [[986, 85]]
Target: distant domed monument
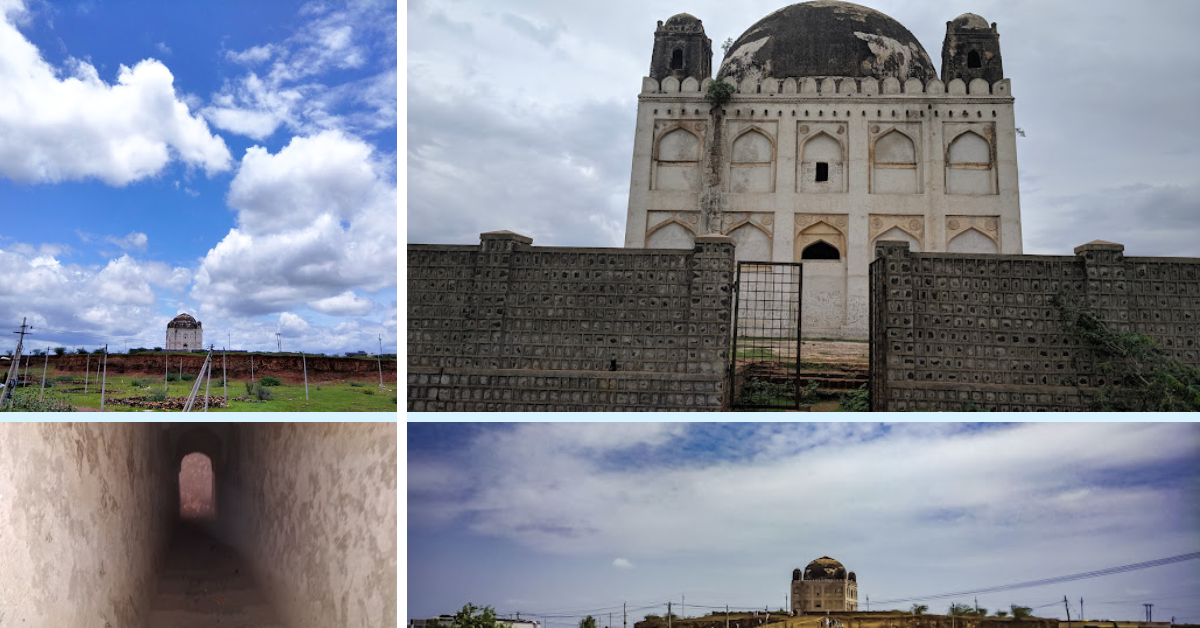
[[824, 585], [184, 333], [831, 131]]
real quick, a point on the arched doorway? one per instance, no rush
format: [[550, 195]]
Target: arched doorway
[[197, 488]]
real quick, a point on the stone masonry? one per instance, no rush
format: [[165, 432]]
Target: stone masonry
[[950, 331], [506, 326]]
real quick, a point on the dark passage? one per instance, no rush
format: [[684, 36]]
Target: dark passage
[[204, 584]]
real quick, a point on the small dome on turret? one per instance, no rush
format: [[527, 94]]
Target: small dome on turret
[[970, 21]]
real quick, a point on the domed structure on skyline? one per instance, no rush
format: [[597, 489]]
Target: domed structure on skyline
[[827, 38], [184, 333], [825, 586]]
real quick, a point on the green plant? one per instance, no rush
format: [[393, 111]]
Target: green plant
[[857, 401], [719, 92], [59, 350], [249, 388], [269, 381], [356, 384], [762, 392], [368, 391], [26, 400], [1001, 613], [587, 622], [262, 394], [138, 382], [959, 610], [1139, 375], [158, 395], [1021, 612], [919, 609]]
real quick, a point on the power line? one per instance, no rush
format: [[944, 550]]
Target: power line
[[1069, 578]]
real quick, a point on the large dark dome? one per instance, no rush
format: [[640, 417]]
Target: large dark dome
[[824, 568], [183, 321], [827, 38]]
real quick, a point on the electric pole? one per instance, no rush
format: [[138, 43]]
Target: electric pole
[[668, 615], [624, 618], [1068, 611], [45, 365], [278, 342], [1082, 617], [380, 356], [1149, 612]]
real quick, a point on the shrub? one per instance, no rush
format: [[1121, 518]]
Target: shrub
[[59, 350], [26, 400], [249, 388], [719, 92], [368, 391], [356, 384], [81, 351], [262, 394], [269, 381], [138, 382], [158, 395], [858, 401]]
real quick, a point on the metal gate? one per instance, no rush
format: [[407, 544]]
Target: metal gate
[[764, 365]]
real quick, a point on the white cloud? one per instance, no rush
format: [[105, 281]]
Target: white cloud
[[79, 126], [162, 47], [291, 324], [315, 220], [344, 304], [622, 563], [135, 240], [286, 93]]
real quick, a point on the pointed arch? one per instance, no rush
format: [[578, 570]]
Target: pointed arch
[[676, 163], [969, 148], [894, 163], [753, 243], [820, 250], [822, 164], [973, 59], [970, 165], [671, 234], [972, 240], [752, 161], [898, 233], [677, 143]]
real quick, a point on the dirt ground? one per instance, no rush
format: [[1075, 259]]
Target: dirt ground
[[837, 351]]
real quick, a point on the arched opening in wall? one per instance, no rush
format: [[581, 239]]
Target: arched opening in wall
[[820, 250], [821, 163], [671, 236], [677, 59], [751, 168], [677, 160], [197, 488], [972, 241], [752, 245], [973, 60], [896, 233], [894, 165]]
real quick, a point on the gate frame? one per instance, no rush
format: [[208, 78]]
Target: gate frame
[[733, 359]]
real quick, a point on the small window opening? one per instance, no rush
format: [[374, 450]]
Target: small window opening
[[822, 171], [677, 59], [973, 60], [197, 488], [820, 250]]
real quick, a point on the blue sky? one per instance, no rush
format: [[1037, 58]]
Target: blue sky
[[553, 519], [232, 160]]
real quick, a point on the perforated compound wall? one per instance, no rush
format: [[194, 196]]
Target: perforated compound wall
[[505, 326], [956, 331]]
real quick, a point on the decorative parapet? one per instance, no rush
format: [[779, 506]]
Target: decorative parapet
[[839, 86]]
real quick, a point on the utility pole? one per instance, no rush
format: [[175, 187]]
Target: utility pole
[[726, 616], [45, 364], [166, 368], [104, 378], [683, 599], [977, 605], [868, 603], [208, 385], [624, 619], [251, 368], [278, 342], [1068, 611], [224, 379], [1149, 612], [668, 615], [304, 361], [87, 367], [380, 357], [1082, 617]]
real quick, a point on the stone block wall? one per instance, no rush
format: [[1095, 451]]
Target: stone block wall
[[955, 331], [506, 326]]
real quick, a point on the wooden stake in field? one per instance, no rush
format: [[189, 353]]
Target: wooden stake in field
[[224, 379], [251, 368], [208, 386], [104, 378], [45, 364], [166, 377], [87, 367], [380, 359], [305, 363]]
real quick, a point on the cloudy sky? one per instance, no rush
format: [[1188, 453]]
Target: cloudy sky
[[559, 519], [521, 114], [232, 160]]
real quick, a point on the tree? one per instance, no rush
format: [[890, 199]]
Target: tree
[[1020, 612], [81, 351], [59, 350], [959, 610], [981, 612], [472, 616], [1001, 613], [587, 622], [727, 45], [919, 609]]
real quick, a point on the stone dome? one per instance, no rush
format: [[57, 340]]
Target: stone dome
[[970, 21], [682, 23], [824, 568], [827, 38], [183, 321]]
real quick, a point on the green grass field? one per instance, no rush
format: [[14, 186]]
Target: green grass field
[[341, 396]]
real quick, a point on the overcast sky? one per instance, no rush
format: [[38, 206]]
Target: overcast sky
[[232, 160], [521, 114], [545, 519]]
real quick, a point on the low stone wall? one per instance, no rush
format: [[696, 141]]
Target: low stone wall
[[506, 326], [960, 331]]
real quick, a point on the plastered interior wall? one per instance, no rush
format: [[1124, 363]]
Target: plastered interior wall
[[312, 507], [86, 512]]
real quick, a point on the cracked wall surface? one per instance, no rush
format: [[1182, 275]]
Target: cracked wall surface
[[86, 512]]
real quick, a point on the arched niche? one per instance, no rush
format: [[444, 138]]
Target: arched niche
[[677, 160], [752, 243], [197, 487], [822, 164], [972, 241], [969, 166], [752, 163], [894, 164], [820, 231], [820, 250], [896, 233], [671, 235]]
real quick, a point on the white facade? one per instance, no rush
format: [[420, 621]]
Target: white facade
[[184, 333], [831, 163]]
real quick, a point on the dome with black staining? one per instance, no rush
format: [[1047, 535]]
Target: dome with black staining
[[827, 38], [183, 321], [683, 23], [824, 568], [970, 22]]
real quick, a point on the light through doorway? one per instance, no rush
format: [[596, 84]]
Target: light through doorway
[[197, 488]]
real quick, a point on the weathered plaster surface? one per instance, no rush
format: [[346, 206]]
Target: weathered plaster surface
[[85, 514], [312, 507]]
